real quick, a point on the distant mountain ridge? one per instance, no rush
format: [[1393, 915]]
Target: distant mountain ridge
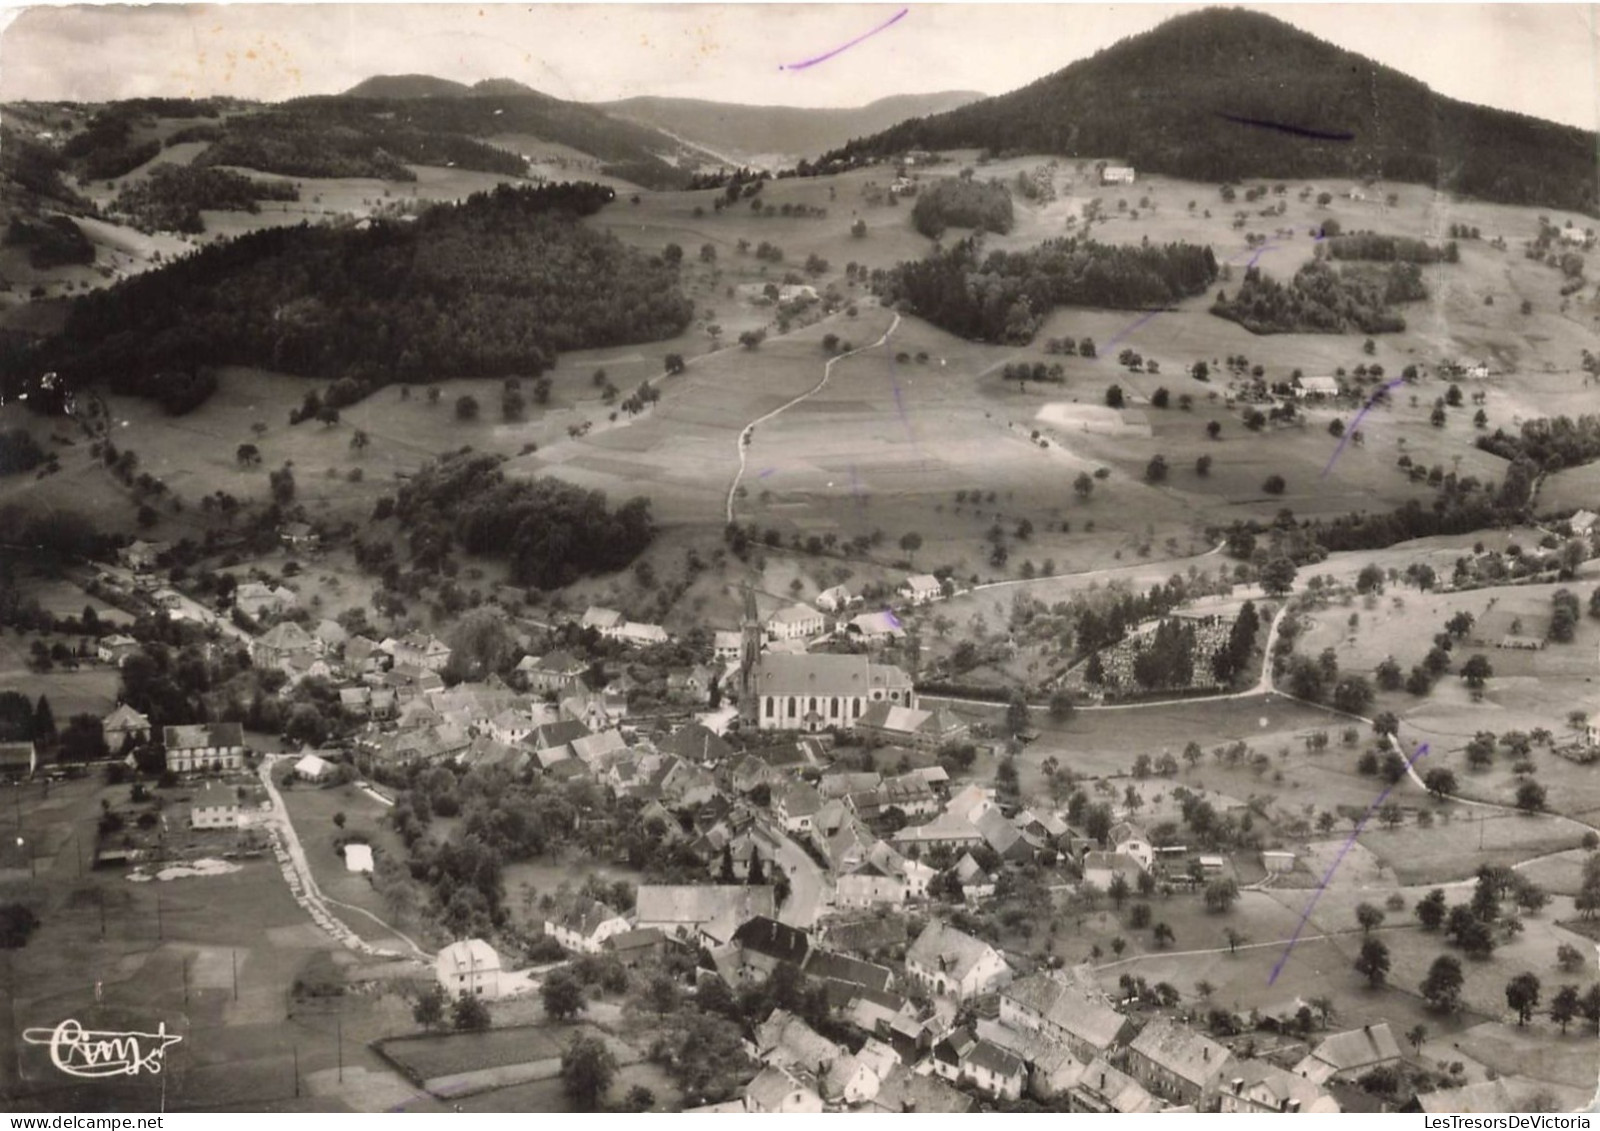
[[1225, 94], [789, 131]]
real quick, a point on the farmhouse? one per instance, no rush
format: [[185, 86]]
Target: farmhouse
[[836, 599], [635, 947], [215, 746], [312, 767], [298, 536], [1069, 1009], [256, 600], [1344, 1056], [140, 555], [18, 759], [712, 912], [1316, 388], [607, 622], [216, 806], [797, 622], [1258, 1087], [778, 1089], [814, 692], [875, 627], [284, 642], [586, 927], [636, 632], [946, 961], [795, 803], [921, 589], [124, 725], [911, 726], [421, 650], [1117, 175], [1102, 1089], [469, 967], [1177, 1063], [727, 645], [115, 649]]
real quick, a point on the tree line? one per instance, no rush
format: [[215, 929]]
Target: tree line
[[962, 202], [551, 533], [1321, 300], [172, 196], [492, 287], [1005, 296], [1551, 443]]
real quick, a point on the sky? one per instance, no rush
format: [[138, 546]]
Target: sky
[[1539, 59]]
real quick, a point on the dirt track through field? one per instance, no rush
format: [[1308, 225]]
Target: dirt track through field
[[743, 440]]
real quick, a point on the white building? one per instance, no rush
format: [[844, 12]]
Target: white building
[[1117, 175], [815, 692], [215, 806], [921, 589], [947, 962], [469, 967], [797, 622], [586, 927]]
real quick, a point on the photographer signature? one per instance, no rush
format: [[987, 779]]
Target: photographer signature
[[92, 1053]]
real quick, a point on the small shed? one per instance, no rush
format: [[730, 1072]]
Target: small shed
[[358, 858], [1277, 861]]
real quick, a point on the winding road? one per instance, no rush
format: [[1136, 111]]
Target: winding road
[[827, 371]]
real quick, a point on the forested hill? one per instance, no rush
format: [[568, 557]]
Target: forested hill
[[353, 135], [1225, 94], [492, 287]]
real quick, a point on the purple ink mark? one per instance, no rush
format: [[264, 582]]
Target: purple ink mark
[[855, 487], [1305, 916], [900, 407], [766, 472], [893, 620], [890, 22], [1350, 431], [1125, 331]]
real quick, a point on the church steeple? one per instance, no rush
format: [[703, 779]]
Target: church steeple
[[749, 652]]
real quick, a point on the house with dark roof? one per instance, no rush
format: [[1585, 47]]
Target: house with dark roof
[[553, 672], [852, 973], [795, 804], [213, 746], [122, 726], [995, 1071], [1179, 1064], [1103, 1089], [283, 642], [764, 943], [635, 947], [903, 1091], [694, 742], [866, 936]]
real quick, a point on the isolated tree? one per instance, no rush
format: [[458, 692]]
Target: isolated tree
[[562, 995], [1277, 576], [1114, 397], [1162, 935], [1234, 939], [1373, 962], [1565, 1006], [752, 339], [1274, 485], [1415, 1036], [1017, 720], [1083, 485], [248, 455], [1221, 894], [1119, 890], [1440, 781], [1531, 797], [468, 1013], [911, 542], [1369, 917], [1477, 671], [1352, 694], [1156, 470], [1569, 958], [1522, 995], [587, 1069], [1442, 986], [1202, 466], [428, 1010], [466, 408]]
